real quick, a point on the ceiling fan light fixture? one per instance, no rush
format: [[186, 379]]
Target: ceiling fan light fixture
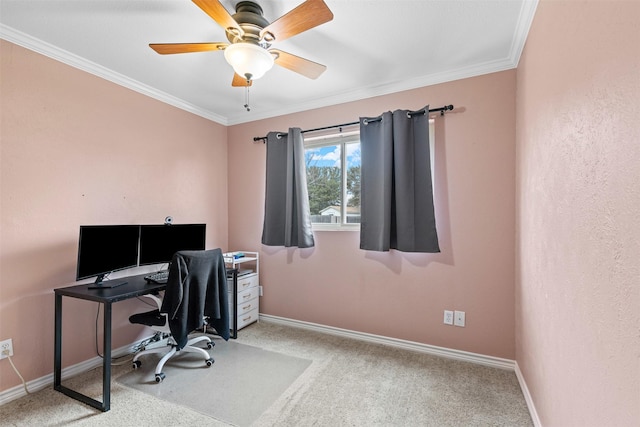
[[248, 60]]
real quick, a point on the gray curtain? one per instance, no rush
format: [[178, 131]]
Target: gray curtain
[[396, 189], [287, 218]]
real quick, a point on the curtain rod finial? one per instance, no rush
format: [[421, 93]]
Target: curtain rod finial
[[446, 108]]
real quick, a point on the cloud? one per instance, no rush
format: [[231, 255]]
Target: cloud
[[331, 156], [324, 156]]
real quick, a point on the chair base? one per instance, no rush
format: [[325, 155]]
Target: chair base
[[188, 348]]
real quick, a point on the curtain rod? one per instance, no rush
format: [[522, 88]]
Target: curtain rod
[[441, 109]]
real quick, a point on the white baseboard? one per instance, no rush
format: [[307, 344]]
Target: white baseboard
[[68, 372], [466, 356], [527, 397]]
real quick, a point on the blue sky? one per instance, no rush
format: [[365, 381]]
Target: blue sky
[[330, 155]]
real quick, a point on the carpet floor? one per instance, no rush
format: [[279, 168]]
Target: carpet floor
[[347, 383]]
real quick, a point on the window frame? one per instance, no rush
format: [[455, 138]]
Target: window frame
[[342, 139], [349, 137]]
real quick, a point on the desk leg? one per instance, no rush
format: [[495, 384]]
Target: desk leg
[[235, 305], [106, 363], [57, 347]]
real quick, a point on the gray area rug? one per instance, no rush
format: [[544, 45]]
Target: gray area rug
[[243, 382]]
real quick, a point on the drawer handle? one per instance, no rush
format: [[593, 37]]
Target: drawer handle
[[246, 307], [247, 318], [245, 284], [246, 296]]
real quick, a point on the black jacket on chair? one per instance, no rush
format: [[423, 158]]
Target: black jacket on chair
[[197, 287]]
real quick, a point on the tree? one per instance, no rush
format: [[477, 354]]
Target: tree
[[353, 186], [323, 184]]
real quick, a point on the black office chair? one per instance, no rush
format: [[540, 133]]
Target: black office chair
[[196, 296]]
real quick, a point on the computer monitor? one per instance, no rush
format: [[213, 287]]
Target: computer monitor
[[158, 243], [103, 249]]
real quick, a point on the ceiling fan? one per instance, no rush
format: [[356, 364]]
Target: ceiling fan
[[250, 38]]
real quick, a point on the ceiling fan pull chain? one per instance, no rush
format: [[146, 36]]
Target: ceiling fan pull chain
[[246, 97]]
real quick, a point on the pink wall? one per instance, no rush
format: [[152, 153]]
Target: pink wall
[[397, 294], [578, 198], [77, 149]]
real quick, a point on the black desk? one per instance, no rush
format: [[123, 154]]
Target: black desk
[[135, 287]]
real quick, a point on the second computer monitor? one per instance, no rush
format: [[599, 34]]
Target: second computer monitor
[[158, 243]]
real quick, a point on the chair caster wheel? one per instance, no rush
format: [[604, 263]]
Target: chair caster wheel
[[210, 362], [159, 377], [137, 364], [211, 344]]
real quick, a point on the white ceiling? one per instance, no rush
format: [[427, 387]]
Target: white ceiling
[[370, 48]]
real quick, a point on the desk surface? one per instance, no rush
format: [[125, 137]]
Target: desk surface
[[135, 286]]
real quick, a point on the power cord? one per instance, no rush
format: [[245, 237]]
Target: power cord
[[142, 344], [96, 334], [126, 356], [144, 301], [24, 384]]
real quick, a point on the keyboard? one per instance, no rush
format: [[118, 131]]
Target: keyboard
[[157, 277]]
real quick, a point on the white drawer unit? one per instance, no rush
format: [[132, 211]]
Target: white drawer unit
[[247, 318], [247, 282], [247, 301], [244, 296]]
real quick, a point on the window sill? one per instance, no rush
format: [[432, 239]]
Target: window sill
[[335, 227]]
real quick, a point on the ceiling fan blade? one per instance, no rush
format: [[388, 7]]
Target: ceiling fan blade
[[299, 65], [240, 81], [309, 14], [169, 48], [218, 13]]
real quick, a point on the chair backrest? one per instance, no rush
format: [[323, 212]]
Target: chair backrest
[[196, 289]]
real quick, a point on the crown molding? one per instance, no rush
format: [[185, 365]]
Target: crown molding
[[525, 20], [53, 52], [386, 89]]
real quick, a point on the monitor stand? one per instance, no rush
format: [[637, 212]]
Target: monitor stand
[[99, 284]]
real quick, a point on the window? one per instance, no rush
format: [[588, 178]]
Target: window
[[333, 180], [334, 196]]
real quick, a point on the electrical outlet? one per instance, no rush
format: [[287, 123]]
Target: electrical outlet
[[6, 348], [448, 317], [260, 290], [459, 318]]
